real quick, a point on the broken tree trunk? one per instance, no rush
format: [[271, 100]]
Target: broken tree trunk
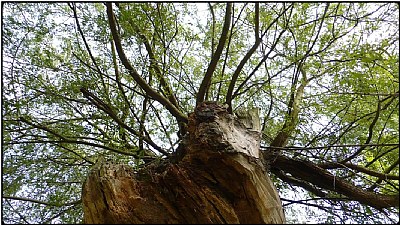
[[216, 177]]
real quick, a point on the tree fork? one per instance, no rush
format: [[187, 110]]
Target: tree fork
[[217, 177]]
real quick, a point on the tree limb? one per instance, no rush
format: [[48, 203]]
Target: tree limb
[[370, 133], [73, 7], [205, 84], [213, 28], [67, 140], [164, 83], [107, 109], [250, 52], [292, 148], [41, 202], [231, 95], [283, 135], [257, 21], [334, 165], [135, 75], [385, 177], [299, 183], [316, 175]]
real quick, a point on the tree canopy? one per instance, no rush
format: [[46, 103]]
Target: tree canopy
[[84, 81]]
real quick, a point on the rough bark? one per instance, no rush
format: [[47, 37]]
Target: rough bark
[[216, 177]]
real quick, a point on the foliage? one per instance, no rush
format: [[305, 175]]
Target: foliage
[[328, 71]]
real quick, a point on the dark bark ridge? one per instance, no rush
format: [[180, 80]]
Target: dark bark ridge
[[218, 178]]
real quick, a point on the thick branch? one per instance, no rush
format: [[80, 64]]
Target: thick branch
[[214, 61], [213, 28], [316, 175], [299, 183], [135, 75], [237, 72], [230, 95]]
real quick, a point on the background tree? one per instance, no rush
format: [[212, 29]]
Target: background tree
[[83, 81]]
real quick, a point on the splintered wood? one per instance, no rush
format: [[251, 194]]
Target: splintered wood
[[218, 179]]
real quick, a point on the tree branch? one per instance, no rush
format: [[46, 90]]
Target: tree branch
[[299, 183], [213, 28], [385, 177], [257, 21], [107, 109], [316, 175], [205, 84], [229, 94], [73, 7], [41, 202], [283, 135], [334, 165], [381, 155], [67, 140], [293, 148], [221, 82], [135, 75], [236, 93], [303, 202], [370, 133], [153, 64]]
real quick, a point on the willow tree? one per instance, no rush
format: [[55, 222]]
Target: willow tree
[[203, 112]]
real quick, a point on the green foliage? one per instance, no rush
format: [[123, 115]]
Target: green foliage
[[52, 134]]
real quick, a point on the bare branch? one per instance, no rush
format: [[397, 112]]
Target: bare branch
[[66, 140], [153, 64], [213, 28], [299, 183]]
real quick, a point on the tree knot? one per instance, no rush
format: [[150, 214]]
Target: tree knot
[[209, 110]]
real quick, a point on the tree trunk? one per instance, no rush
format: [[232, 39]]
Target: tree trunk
[[216, 177]]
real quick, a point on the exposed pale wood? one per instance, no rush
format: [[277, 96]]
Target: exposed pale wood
[[218, 178]]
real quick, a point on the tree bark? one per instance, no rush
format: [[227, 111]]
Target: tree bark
[[217, 176]]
